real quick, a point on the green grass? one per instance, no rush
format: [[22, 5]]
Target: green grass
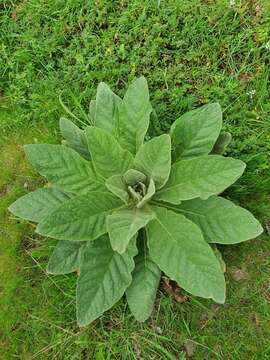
[[192, 52]]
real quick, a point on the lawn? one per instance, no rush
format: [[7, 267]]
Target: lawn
[[192, 52]]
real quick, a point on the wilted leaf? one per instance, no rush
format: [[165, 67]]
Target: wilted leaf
[[239, 275], [190, 348], [171, 288]]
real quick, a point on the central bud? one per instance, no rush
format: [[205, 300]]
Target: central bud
[[139, 187], [137, 190]]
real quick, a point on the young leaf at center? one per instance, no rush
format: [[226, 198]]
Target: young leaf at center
[[123, 224]]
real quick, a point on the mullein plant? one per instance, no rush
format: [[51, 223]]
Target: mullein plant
[[125, 210]]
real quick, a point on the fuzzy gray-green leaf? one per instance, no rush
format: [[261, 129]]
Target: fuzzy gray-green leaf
[[66, 257], [141, 294], [220, 220], [118, 187], [132, 176], [104, 277], [64, 168], [195, 132], [221, 144], [200, 177], [36, 205], [134, 115], [107, 109], [179, 249], [92, 112], [81, 218], [75, 137], [154, 159], [123, 224], [108, 156]]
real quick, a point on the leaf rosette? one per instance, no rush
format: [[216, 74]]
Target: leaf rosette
[[125, 209]]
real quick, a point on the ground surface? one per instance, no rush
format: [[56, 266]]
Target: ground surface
[[192, 52]]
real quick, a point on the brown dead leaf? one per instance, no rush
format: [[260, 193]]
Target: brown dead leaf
[[255, 319], [245, 78], [171, 288], [3, 190], [190, 348], [259, 10], [137, 349], [266, 291], [267, 225], [239, 275], [208, 316], [157, 329]]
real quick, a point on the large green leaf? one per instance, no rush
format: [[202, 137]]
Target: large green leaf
[[141, 294], [200, 177], [220, 220], [64, 167], [107, 109], [134, 115], [123, 224], [179, 249], [154, 159], [222, 142], [118, 187], [108, 156], [36, 205], [75, 137], [65, 257], [195, 132], [104, 277], [92, 111], [81, 218]]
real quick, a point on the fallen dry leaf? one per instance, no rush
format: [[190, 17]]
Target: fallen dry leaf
[[239, 275], [258, 10], [245, 78], [190, 348], [137, 349], [266, 291], [267, 225], [171, 288], [255, 319], [208, 316], [3, 190]]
